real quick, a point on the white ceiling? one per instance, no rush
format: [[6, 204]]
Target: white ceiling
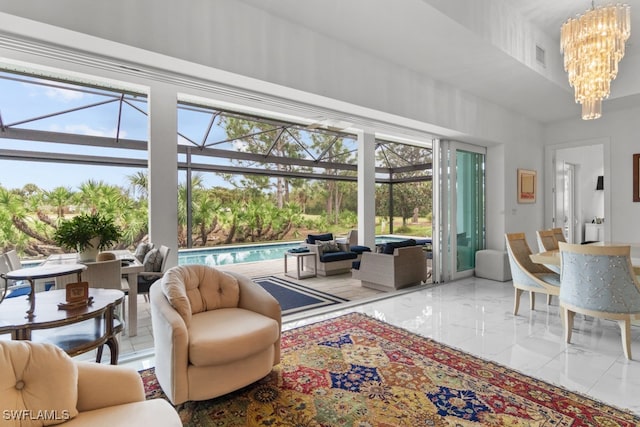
[[442, 39]]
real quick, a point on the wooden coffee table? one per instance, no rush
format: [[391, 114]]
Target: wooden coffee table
[[76, 331]]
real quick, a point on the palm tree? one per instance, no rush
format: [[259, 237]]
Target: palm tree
[[60, 198], [139, 184], [204, 213]]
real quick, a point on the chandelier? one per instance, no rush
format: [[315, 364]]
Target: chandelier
[[593, 44]]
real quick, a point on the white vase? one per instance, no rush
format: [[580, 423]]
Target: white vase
[[91, 252]]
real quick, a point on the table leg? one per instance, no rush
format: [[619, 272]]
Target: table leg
[[132, 324], [32, 300]]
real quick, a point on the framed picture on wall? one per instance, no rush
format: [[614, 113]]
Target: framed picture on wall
[[636, 177], [527, 186]]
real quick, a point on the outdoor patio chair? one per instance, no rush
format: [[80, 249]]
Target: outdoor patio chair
[[155, 264]]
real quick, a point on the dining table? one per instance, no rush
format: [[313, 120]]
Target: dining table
[[553, 257], [130, 267]]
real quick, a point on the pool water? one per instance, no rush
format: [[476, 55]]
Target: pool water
[[247, 253]]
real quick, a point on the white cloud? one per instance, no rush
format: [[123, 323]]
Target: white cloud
[[82, 129], [64, 95]]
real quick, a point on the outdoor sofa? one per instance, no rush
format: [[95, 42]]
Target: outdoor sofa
[[332, 257], [397, 265]]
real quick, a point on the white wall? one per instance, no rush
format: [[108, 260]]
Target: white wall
[[621, 128]]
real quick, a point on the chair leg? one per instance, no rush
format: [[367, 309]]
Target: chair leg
[[567, 321], [99, 353], [532, 300], [625, 330], [516, 301]]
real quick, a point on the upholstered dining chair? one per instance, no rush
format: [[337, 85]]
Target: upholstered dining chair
[[559, 234], [527, 275], [599, 281], [547, 242]]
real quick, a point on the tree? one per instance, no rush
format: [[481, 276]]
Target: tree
[[59, 198], [270, 141]]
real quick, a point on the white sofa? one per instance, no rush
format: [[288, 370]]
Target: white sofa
[[41, 385]]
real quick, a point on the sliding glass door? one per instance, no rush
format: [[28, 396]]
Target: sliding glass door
[[461, 208]]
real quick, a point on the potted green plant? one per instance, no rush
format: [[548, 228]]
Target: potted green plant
[[87, 234]]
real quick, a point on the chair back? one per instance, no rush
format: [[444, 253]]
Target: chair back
[[13, 260], [352, 237], [164, 253], [519, 254], [598, 279], [105, 256], [559, 234], [546, 240], [103, 274], [4, 264]]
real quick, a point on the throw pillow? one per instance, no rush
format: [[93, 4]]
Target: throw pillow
[[152, 260], [141, 250], [315, 238], [328, 246]]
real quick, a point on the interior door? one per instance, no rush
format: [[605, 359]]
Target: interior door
[[564, 201]]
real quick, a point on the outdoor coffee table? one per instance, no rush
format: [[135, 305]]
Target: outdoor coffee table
[[300, 273]]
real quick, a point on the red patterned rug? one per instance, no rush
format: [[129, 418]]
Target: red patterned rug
[[357, 371]]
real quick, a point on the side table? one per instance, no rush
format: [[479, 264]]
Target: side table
[[76, 330], [31, 274], [300, 273]]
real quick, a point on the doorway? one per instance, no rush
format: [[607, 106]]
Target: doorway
[[460, 199], [571, 187]]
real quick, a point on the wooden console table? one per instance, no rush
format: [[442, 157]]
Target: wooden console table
[[76, 331]]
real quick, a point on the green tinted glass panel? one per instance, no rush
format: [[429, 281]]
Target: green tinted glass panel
[[470, 208]]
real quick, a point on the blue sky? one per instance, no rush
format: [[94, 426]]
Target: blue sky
[[20, 101]]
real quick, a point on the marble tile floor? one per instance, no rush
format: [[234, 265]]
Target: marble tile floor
[[475, 315]]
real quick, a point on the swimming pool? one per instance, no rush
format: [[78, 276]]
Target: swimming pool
[[247, 253]]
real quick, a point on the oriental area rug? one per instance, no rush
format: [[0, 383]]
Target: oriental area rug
[[357, 371]]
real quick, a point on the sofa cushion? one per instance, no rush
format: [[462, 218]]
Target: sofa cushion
[[337, 256], [244, 333], [355, 265], [192, 289], [28, 382], [312, 238], [153, 412], [141, 250], [359, 249], [152, 261], [327, 246], [388, 248]]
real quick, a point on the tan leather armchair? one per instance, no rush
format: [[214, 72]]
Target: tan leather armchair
[[41, 385], [214, 332]]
